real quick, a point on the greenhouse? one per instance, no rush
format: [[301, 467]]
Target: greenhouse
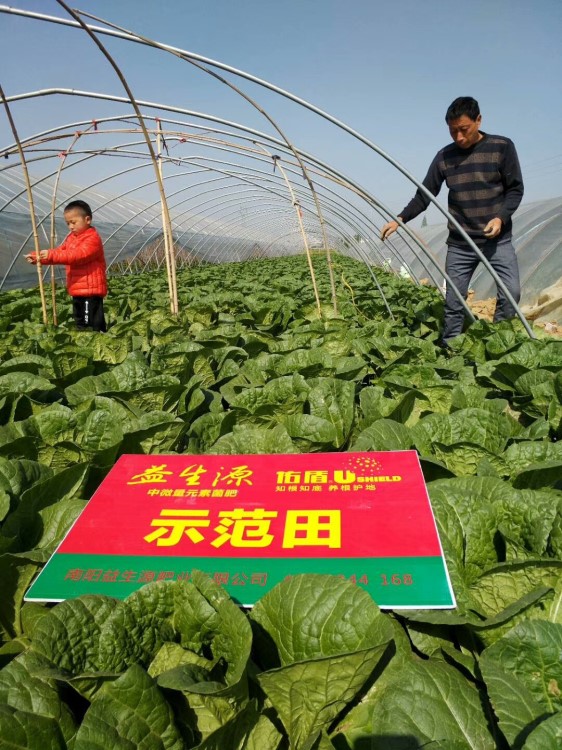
[[171, 186], [255, 319]]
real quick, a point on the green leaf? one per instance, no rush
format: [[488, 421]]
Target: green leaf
[[172, 655], [175, 358], [245, 439], [285, 395], [309, 363], [332, 399], [246, 730], [527, 517], [312, 616], [383, 435], [478, 427], [4, 504], [310, 433], [27, 363], [68, 636], [70, 365], [207, 429], [309, 695], [328, 636], [421, 703], [558, 386], [439, 398], [130, 712], [23, 688], [17, 476], [197, 613], [25, 382], [537, 430], [466, 459], [61, 455], [522, 454], [545, 474], [21, 730], [555, 612], [508, 582], [102, 434], [16, 574], [467, 499], [157, 432], [531, 653], [525, 384], [25, 523], [52, 425], [514, 705], [56, 521], [109, 349], [547, 736]]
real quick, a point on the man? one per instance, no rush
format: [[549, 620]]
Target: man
[[485, 185]]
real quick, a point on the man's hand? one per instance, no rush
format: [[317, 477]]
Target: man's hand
[[32, 257], [493, 228], [389, 229]]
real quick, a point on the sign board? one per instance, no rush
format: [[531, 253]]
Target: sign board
[[249, 521]]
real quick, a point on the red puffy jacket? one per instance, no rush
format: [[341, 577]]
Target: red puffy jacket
[[85, 263]]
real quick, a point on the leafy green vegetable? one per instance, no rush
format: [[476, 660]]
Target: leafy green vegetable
[[316, 665]]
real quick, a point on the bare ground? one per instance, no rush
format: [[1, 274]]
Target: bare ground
[[485, 309]]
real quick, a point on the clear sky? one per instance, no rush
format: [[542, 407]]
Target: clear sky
[[388, 69]]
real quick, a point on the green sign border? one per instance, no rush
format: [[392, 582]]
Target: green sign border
[[401, 582]]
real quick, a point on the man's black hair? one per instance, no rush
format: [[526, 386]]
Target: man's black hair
[[81, 205], [463, 105]]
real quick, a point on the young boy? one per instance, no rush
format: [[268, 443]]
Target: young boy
[[82, 254]]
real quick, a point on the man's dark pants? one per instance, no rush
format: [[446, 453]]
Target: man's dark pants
[[460, 265]]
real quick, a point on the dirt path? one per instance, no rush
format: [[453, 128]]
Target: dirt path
[[485, 309]]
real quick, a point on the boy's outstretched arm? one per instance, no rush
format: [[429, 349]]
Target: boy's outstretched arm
[[32, 257], [76, 253]]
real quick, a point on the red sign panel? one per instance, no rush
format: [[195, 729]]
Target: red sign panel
[[289, 513]]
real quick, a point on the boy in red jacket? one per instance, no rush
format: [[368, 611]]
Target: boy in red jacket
[[82, 254]]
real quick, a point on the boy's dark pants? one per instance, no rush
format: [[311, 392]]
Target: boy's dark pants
[[88, 313]]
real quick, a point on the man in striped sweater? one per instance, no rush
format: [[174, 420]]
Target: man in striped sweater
[[485, 185]]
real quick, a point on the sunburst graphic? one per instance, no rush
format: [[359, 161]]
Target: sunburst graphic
[[364, 464]]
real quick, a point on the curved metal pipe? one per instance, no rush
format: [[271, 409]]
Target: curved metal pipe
[[338, 123], [165, 213], [268, 117], [375, 204], [379, 207], [31, 204], [344, 181], [150, 238], [230, 149]]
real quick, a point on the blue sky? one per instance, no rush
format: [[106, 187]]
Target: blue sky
[[387, 69]]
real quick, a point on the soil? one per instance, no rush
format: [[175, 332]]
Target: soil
[[485, 309]]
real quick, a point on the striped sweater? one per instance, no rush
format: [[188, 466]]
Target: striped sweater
[[484, 183]]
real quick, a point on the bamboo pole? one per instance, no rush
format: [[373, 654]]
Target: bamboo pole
[[213, 141], [339, 179], [334, 175], [63, 155], [167, 250], [53, 286], [31, 205], [338, 123], [296, 204], [167, 221], [262, 111]]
